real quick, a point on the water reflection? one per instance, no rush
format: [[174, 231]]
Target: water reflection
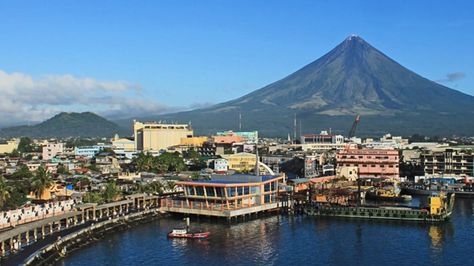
[[436, 236], [283, 240]]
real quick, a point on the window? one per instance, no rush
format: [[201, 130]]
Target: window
[[210, 191], [199, 191]]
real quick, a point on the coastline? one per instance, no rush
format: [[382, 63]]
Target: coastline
[[78, 239]]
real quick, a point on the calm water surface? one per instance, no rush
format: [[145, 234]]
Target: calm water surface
[[282, 240]]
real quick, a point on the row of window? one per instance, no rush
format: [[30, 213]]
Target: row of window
[[373, 165], [231, 191], [368, 157]]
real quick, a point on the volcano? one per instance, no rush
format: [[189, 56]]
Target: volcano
[[353, 78]]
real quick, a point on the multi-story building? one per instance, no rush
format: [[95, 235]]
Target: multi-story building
[[247, 136], [386, 142], [232, 192], [87, 151], [380, 163], [220, 166], [9, 146], [153, 136], [52, 149], [322, 141], [448, 162]]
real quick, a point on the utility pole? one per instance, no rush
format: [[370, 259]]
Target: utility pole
[[294, 130], [300, 128], [240, 121]]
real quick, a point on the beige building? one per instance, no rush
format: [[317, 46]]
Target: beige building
[[241, 161], [153, 136], [124, 144], [194, 141], [350, 173], [9, 146]]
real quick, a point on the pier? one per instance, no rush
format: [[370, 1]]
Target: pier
[[19, 239], [215, 209]]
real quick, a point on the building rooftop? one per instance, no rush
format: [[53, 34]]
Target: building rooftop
[[235, 179]]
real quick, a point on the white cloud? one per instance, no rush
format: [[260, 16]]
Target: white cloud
[[25, 98]]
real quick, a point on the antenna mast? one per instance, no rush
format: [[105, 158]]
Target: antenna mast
[[294, 130]]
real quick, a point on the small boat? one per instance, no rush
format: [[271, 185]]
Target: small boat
[[186, 233]]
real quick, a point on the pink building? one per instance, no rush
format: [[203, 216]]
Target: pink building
[[51, 150], [371, 162]]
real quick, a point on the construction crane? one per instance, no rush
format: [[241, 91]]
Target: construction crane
[[354, 127]]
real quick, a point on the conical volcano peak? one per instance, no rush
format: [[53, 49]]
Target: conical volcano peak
[[353, 78], [355, 41], [353, 37]]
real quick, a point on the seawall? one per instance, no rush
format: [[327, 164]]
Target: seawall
[[67, 244]]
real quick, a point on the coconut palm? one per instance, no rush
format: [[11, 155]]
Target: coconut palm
[[144, 162], [41, 181], [170, 186], [156, 187], [4, 192]]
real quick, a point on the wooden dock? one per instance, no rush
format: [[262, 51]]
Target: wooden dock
[[216, 210]]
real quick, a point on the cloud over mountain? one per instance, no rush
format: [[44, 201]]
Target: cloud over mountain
[[452, 77], [28, 98]]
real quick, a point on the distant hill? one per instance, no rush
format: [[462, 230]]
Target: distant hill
[[85, 124], [353, 78]]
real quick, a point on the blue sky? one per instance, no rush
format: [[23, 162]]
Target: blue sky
[[130, 58]]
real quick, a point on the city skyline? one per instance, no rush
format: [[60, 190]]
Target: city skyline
[[121, 60]]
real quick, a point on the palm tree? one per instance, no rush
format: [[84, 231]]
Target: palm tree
[[144, 162], [171, 186], [4, 192], [156, 187], [41, 181]]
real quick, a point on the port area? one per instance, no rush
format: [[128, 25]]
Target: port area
[[375, 213]]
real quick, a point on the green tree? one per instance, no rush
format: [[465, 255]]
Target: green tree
[[170, 185], [81, 182], [93, 197], [171, 162], [26, 145], [4, 192], [41, 181], [62, 170], [93, 167], [155, 187], [144, 162], [15, 153], [22, 173], [111, 191], [195, 176]]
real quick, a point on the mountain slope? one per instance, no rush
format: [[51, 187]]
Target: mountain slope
[[85, 124], [353, 78]]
